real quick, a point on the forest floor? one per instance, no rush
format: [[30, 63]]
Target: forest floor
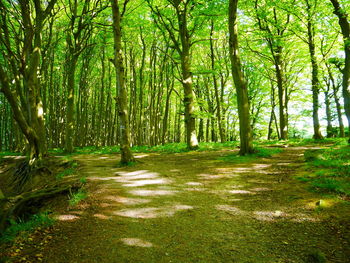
[[196, 207]]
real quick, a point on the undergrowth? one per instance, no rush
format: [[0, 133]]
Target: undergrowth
[[259, 153], [181, 147], [77, 197], [333, 170], [23, 227]]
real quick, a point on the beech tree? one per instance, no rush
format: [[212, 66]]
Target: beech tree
[[345, 30], [240, 83], [21, 83], [182, 44], [121, 99]]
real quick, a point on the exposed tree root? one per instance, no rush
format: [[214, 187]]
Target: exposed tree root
[[13, 207]]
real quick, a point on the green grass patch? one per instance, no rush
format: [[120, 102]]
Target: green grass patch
[[77, 197], [259, 153], [333, 174], [166, 148], [64, 173], [23, 227]]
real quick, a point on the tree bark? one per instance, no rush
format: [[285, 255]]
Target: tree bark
[[216, 89], [246, 141], [122, 99], [315, 80], [345, 29]]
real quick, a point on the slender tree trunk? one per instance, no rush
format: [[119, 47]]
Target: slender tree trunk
[[315, 80], [246, 140], [70, 111], [335, 89], [122, 100], [216, 89], [327, 102], [345, 29]]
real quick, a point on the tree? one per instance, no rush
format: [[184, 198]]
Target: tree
[[182, 43], [240, 83], [122, 99], [25, 59], [345, 30], [274, 26], [311, 9]]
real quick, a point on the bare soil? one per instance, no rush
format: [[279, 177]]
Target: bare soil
[[194, 207]]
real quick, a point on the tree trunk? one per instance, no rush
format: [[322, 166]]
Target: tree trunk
[[122, 100], [345, 29], [70, 111], [246, 140], [216, 89], [315, 80]]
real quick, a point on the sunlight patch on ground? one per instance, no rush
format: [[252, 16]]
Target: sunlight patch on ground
[[302, 218], [230, 209], [136, 242], [152, 212], [146, 182], [194, 183], [101, 216], [126, 200], [269, 215], [261, 166], [67, 217], [141, 156], [214, 176], [283, 164], [143, 192], [239, 192]]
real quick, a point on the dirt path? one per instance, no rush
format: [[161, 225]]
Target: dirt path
[[195, 207]]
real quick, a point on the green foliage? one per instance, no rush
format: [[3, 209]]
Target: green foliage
[[334, 176], [21, 227], [83, 180], [66, 172], [259, 153], [77, 197]]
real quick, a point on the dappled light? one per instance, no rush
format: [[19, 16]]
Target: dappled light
[[194, 183], [239, 192], [140, 156], [230, 209], [147, 182], [101, 216], [126, 200], [136, 242], [144, 192], [214, 176], [67, 217], [152, 212]]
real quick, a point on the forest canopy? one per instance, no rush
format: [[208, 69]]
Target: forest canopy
[[149, 72]]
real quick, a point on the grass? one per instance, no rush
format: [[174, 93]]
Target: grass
[[66, 172], [22, 227], [77, 197], [333, 170], [181, 147], [259, 153]]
